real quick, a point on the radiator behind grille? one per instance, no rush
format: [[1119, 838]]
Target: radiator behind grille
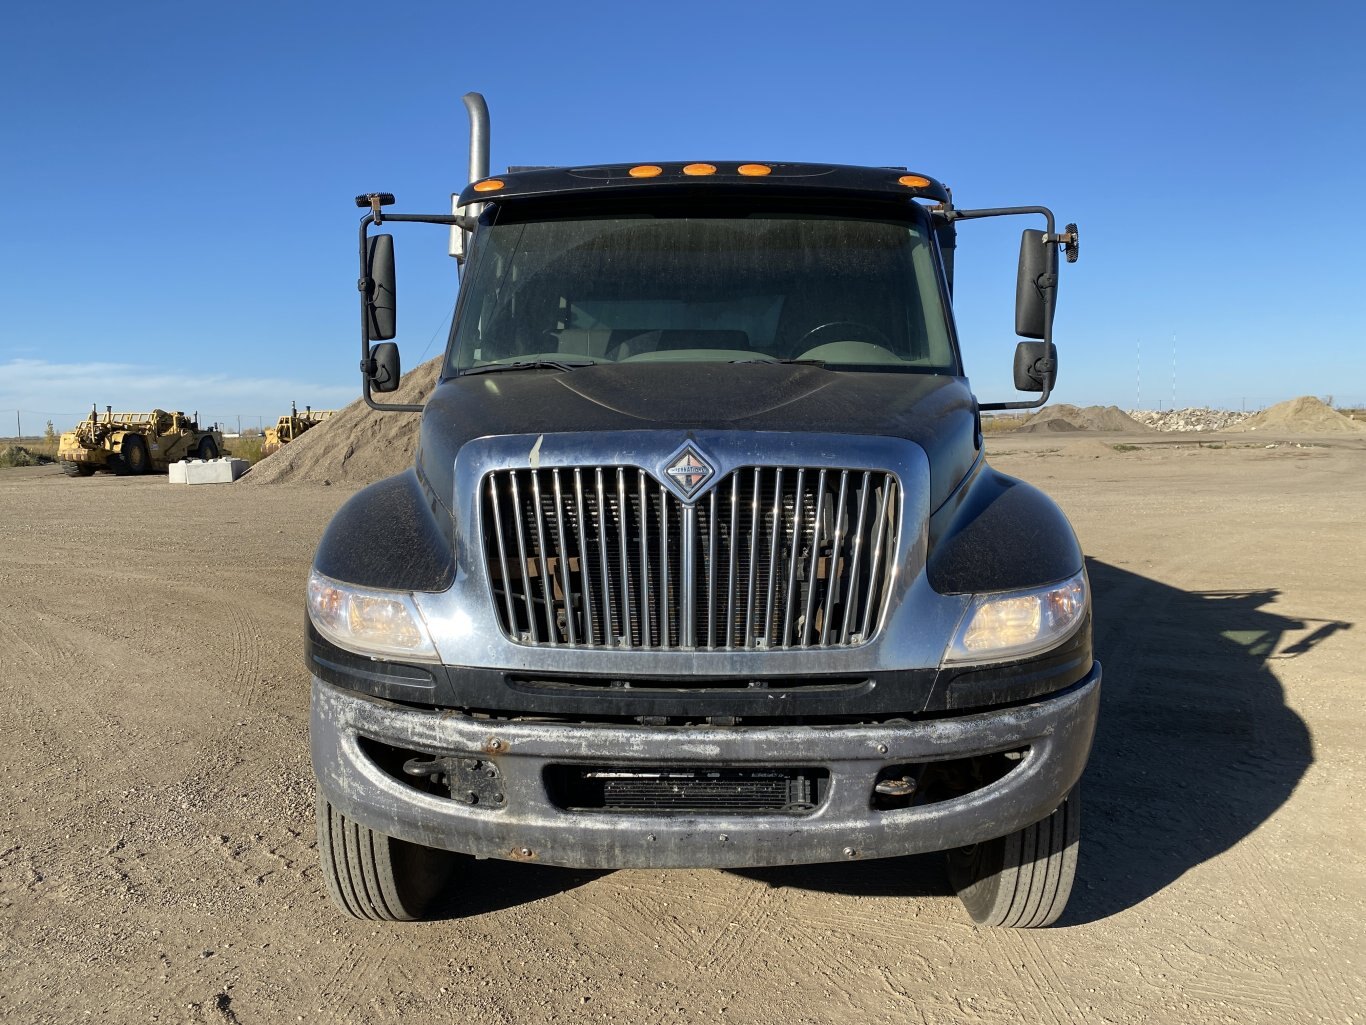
[[771, 557]]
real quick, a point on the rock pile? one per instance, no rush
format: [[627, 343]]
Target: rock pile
[[1196, 418]]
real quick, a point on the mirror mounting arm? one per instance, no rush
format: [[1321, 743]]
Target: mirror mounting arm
[[1067, 240], [368, 364]]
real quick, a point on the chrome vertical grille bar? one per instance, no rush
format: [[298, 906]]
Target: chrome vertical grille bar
[[503, 569], [817, 525], [608, 612], [832, 569], [532, 625], [562, 554], [712, 530], [792, 586], [875, 567], [627, 634], [644, 512], [856, 556], [547, 583], [663, 599], [754, 500], [774, 532], [687, 587], [734, 546], [585, 572]]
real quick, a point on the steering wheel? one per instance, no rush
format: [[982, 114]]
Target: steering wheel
[[851, 331]]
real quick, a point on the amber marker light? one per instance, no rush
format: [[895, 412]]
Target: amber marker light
[[697, 170], [913, 181], [645, 171], [489, 185], [754, 170]]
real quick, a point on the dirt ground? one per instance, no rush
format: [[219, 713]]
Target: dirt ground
[[157, 853]]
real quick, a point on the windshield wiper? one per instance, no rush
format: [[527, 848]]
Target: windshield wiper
[[797, 362], [530, 364]]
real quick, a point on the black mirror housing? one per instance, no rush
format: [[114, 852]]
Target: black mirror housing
[[378, 287], [1036, 366], [384, 367], [1036, 286]]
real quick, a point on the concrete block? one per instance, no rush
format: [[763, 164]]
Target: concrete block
[[223, 470]]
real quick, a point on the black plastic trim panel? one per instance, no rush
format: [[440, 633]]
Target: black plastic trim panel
[[877, 696]]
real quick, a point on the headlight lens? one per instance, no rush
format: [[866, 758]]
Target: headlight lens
[[366, 621], [1012, 624]]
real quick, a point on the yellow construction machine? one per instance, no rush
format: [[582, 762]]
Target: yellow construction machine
[[134, 443], [290, 427]]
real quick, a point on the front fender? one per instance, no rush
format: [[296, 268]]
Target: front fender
[[394, 534], [997, 533]]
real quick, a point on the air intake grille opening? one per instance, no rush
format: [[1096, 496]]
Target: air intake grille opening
[[699, 791], [772, 557]]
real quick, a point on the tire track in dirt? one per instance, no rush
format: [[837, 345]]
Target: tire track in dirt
[[1256, 761], [733, 934], [620, 915], [1046, 981], [1281, 927]]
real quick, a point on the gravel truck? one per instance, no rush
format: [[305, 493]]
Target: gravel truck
[[701, 563], [134, 443]]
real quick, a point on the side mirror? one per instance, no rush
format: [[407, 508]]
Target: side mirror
[[384, 370], [378, 287], [1036, 366], [1036, 286]]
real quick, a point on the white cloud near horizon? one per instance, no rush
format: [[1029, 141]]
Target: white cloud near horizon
[[42, 390]]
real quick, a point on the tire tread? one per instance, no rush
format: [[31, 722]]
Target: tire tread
[[1022, 880], [358, 866]]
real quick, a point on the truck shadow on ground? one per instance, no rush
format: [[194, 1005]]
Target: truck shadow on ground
[[480, 887], [1195, 748]]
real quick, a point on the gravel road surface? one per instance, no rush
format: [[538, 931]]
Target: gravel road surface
[[157, 852]]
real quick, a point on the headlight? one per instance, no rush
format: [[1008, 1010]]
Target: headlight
[[368, 622], [1012, 624]]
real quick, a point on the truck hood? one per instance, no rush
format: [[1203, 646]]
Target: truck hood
[[936, 412]]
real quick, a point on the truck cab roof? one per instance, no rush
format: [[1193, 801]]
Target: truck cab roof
[[677, 176]]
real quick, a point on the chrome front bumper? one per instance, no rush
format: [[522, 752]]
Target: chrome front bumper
[[528, 826]]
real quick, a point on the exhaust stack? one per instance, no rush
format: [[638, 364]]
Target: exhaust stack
[[479, 165]]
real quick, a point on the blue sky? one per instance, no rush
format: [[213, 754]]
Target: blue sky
[[180, 176]]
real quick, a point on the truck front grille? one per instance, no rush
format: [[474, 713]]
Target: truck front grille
[[770, 558]]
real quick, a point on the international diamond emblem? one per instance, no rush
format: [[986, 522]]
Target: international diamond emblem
[[689, 471]]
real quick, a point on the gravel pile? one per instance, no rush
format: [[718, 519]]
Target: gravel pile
[[1065, 417], [1196, 418], [1305, 415], [357, 445]]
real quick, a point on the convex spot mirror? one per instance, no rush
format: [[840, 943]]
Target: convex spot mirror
[[1036, 287], [384, 369], [377, 285], [1036, 366]]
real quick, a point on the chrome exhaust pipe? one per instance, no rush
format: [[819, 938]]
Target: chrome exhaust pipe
[[478, 111]]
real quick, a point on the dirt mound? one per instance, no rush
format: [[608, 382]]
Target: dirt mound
[[1065, 417], [357, 445], [17, 455], [1305, 415]]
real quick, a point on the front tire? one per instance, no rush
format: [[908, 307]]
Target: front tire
[[1021, 881], [133, 459], [374, 876], [207, 449], [74, 469]]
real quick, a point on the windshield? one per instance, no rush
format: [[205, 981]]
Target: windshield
[[847, 292]]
